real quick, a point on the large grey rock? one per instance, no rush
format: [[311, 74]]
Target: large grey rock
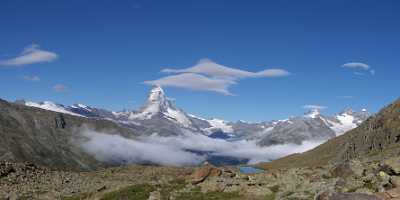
[[345, 196]]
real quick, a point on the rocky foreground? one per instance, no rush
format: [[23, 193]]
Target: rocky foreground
[[356, 179]]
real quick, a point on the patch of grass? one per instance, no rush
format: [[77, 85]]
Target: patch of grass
[[135, 192], [196, 194], [271, 196], [81, 196], [275, 188], [174, 185]]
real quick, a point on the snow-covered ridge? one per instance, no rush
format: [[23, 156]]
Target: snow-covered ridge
[[161, 115], [48, 105]]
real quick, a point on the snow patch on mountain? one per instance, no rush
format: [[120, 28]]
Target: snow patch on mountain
[[48, 105], [220, 124]]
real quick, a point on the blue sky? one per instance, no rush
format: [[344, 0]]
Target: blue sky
[[101, 52]]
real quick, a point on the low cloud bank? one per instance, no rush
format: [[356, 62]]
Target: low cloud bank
[[179, 150]]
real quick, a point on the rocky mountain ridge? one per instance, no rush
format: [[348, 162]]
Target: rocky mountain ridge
[[160, 115]]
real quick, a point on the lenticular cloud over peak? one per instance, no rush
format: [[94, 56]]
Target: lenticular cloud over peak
[[208, 75]]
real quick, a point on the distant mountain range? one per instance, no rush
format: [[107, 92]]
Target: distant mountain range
[[160, 115]]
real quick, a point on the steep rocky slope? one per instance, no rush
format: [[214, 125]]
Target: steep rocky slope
[[46, 138], [377, 137]]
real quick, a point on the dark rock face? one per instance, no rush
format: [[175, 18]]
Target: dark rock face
[[219, 135], [46, 138], [60, 121], [375, 135]]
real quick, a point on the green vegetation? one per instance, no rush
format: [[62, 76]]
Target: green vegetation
[[142, 191], [274, 188], [196, 194], [78, 197], [271, 196], [134, 192]]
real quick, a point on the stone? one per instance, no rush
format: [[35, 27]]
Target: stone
[[328, 195], [395, 180], [393, 164], [383, 195], [203, 173], [155, 195], [342, 170], [394, 193]]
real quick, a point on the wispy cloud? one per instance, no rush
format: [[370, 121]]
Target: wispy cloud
[[207, 75], [210, 68], [346, 97], [30, 55], [359, 66], [59, 88], [315, 107], [194, 82], [31, 78]]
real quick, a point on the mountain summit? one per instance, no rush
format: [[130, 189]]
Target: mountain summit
[[158, 104]]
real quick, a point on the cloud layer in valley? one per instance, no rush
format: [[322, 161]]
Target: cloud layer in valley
[[30, 55], [207, 75], [173, 151]]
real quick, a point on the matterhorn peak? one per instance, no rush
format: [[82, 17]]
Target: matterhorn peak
[[313, 113], [158, 104], [156, 92], [156, 100]]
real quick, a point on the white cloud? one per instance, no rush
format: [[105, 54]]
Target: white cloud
[[194, 82], [59, 88], [315, 107], [31, 78], [346, 97], [30, 55], [356, 65], [372, 71], [116, 149], [360, 66], [273, 73], [209, 68], [210, 76], [147, 149]]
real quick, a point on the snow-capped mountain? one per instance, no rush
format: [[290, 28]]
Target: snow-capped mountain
[[347, 120], [158, 105], [160, 115], [48, 105]]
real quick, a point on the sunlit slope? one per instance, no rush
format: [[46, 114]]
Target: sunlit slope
[[377, 137]]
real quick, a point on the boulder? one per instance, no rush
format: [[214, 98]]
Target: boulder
[[328, 195], [393, 164], [395, 180], [342, 170], [155, 195], [203, 173], [394, 193]]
